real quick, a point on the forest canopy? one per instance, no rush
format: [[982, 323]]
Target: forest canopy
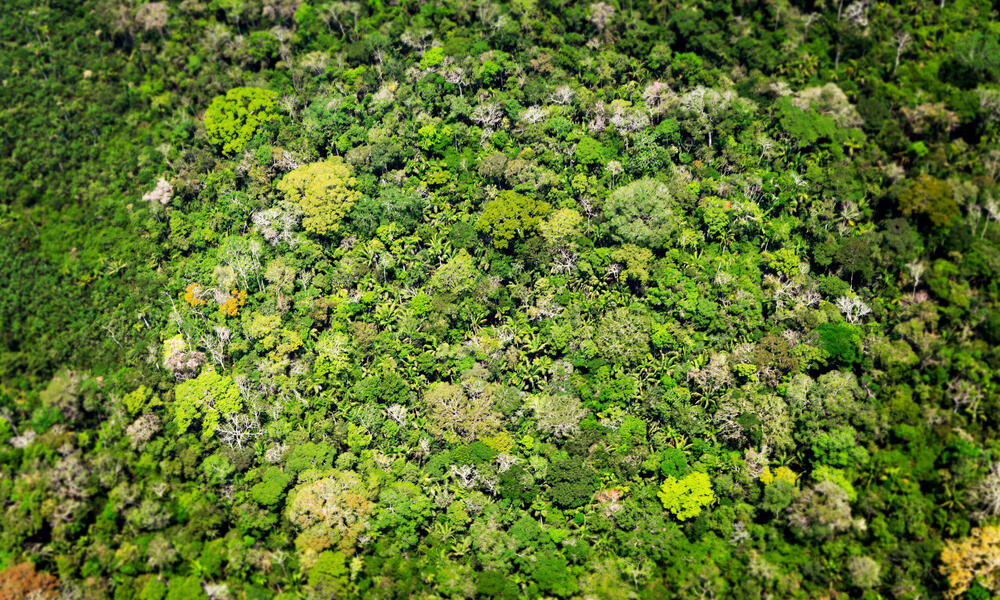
[[473, 299]]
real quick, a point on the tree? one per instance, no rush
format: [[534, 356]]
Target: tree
[[458, 274], [571, 483], [454, 413], [972, 558], [511, 216], [633, 263], [272, 486], [589, 152], [325, 193], [643, 213], [931, 197], [234, 118], [822, 511], [22, 581], [402, 509], [974, 59], [207, 397], [561, 228], [330, 512], [841, 342], [623, 336], [558, 414], [329, 576], [853, 308], [865, 571], [185, 588], [685, 497], [553, 575]]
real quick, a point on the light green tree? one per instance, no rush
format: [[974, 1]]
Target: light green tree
[[685, 497], [235, 117], [561, 228], [642, 212], [206, 397], [455, 413], [511, 216], [325, 193]]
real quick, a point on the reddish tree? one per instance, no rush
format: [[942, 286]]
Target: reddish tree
[[22, 581]]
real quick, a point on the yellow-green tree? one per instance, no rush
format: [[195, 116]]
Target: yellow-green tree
[[929, 196], [206, 397], [325, 192], [235, 117], [685, 497], [511, 216]]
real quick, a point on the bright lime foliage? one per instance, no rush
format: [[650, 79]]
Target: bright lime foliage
[[511, 216], [234, 118], [435, 138], [325, 193], [784, 261], [685, 497], [207, 397], [185, 588], [432, 58], [142, 398]]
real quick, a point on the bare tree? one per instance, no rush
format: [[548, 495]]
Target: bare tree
[[987, 493], [853, 308], [397, 412], [215, 343], [239, 429], [600, 15], [562, 95], [902, 40], [455, 76], [161, 194], [916, 269], [465, 474]]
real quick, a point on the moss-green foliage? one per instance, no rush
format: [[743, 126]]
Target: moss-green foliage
[[572, 482], [511, 216], [931, 197], [234, 118], [840, 342], [973, 60]]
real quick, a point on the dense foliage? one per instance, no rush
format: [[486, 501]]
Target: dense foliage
[[466, 299]]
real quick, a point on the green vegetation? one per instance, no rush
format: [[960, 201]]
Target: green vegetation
[[323, 192], [453, 300], [232, 120]]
